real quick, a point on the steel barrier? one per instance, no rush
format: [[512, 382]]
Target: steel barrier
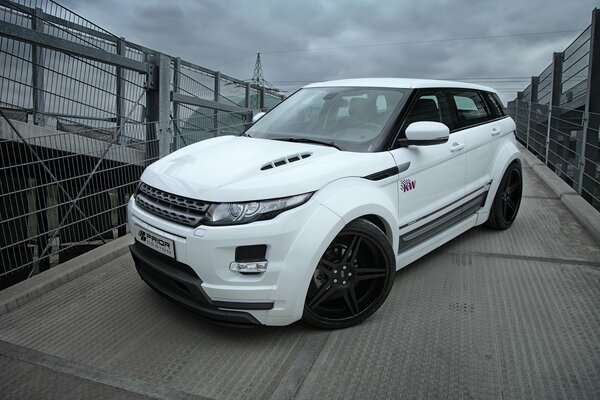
[[82, 113], [566, 140]]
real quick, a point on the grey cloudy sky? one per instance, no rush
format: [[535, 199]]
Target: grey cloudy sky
[[305, 41]]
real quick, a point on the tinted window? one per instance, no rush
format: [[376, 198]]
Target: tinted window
[[495, 109], [430, 106], [471, 108], [499, 103]]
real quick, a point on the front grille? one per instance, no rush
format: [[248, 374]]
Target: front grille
[[171, 206]]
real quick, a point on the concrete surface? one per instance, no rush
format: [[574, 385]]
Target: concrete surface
[[509, 315], [583, 211]]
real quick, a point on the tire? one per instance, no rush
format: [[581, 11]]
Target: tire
[[508, 198], [352, 279]]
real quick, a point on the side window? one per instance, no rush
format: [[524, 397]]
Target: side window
[[430, 106], [471, 108], [499, 103], [494, 104]]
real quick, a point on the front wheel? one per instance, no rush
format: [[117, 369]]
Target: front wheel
[[352, 279], [508, 198]]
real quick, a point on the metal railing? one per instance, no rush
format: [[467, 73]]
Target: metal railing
[[82, 113], [566, 140]]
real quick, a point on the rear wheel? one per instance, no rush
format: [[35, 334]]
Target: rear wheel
[[508, 198], [352, 279]]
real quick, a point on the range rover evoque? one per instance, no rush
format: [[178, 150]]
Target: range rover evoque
[[310, 212]]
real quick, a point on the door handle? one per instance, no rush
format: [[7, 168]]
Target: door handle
[[496, 131], [457, 147]]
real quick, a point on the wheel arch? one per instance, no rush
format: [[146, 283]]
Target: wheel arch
[[355, 198], [508, 154], [381, 223]]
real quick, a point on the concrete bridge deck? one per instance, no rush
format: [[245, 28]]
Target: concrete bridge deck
[[509, 315]]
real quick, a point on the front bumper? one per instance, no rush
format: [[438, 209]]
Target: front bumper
[[295, 241], [179, 283]]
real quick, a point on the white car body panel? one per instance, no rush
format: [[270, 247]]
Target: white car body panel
[[215, 159]]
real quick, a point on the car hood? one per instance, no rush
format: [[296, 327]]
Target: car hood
[[230, 168]]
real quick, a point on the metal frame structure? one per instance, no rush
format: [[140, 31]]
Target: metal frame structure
[[82, 112], [558, 114]]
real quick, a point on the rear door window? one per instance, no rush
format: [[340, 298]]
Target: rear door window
[[471, 108]]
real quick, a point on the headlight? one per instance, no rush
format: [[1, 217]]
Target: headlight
[[242, 213]]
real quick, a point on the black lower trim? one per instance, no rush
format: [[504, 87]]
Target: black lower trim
[[386, 173], [173, 280], [441, 223], [446, 206], [236, 305]]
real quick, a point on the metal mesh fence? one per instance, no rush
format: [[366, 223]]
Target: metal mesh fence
[[576, 60], [64, 192], [564, 139], [200, 123], [76, 105]]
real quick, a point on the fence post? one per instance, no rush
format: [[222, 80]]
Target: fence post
[[217, 93], [37, 75], [121, 86], [261, 104], [581, 153], [176, 82], [158, 105], [528, 124], [548, 133], [592, 108], [247, 96], [121, 121]]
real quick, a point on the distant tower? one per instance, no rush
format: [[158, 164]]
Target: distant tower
[[259, 80]]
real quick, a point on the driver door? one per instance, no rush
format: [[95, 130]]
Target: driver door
[[432, 178]]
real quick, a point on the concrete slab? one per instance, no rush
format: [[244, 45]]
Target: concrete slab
[[583, 212], [461, 326], [20, 380], [111, 320], [533, 186], [544, 228]]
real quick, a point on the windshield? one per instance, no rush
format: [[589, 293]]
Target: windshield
[[350, 118]]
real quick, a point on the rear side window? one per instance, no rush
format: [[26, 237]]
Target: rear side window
[[471, 108], [494, 105], [499, 103]]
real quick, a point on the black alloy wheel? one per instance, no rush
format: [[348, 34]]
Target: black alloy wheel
[[508, 198], [352, 279]]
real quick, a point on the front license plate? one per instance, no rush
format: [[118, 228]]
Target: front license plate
[[156, 242]]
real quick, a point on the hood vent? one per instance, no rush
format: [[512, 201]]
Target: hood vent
[[285, 160]]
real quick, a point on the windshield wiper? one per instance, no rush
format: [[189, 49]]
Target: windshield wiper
[[329, 143]]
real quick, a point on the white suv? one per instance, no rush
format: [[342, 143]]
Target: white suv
[[310, 212]]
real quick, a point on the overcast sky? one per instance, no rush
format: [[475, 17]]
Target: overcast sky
[[306, 41]]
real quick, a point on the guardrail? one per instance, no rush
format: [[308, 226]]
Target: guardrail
[[82, 112], [566, 140]]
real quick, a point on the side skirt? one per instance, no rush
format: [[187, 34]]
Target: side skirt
[[440, 224]]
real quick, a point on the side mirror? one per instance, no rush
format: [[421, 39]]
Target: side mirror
[[425, 133], [257, 116]]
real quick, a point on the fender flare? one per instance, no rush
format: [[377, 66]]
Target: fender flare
[[352, 198], [507, 154]]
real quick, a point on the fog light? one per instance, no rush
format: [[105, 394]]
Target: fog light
[[251, 267]]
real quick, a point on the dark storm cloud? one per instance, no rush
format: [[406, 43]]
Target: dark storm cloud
[[214, 33]]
